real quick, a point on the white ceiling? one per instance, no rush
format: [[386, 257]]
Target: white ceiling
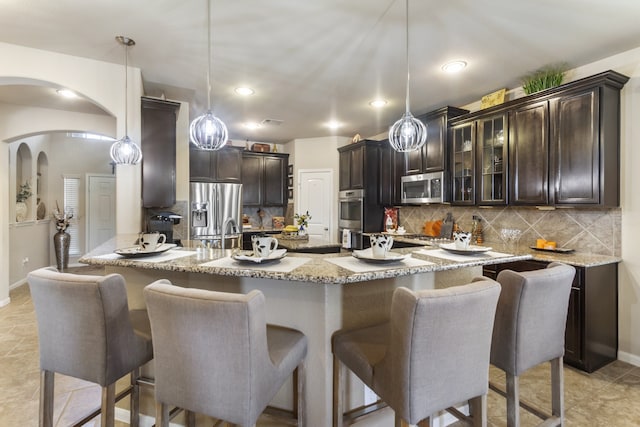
[[312, 61]]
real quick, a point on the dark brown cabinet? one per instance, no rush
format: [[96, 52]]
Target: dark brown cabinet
[[591, 335], [224, 165], [529, 154], [391, 170], [158, 146], [562, 146], [359, 165], [434, 154], [464, 164], [264, 179], [584, 149], [491, 142]]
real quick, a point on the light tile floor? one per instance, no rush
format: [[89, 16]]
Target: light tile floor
[[608, 397]]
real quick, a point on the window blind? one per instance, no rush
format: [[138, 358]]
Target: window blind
[[72, 205]]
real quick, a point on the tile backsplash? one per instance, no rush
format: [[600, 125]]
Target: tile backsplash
[[585, 230]]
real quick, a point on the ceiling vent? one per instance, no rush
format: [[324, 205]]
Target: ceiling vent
[[272, 122]]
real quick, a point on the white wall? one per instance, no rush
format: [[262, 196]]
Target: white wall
[[101, 82], [317, 153]]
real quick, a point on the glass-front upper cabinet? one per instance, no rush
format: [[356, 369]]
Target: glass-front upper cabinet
[[492, 145], [463, 164]]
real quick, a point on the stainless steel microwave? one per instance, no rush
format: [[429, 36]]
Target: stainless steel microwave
[[424, 188]]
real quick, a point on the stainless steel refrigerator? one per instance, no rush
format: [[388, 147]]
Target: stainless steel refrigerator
[[216, 210]]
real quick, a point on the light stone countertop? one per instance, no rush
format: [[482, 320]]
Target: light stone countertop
[[576, 258], [316, 270]]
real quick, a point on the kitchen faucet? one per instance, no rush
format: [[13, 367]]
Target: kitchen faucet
[[234, 230]]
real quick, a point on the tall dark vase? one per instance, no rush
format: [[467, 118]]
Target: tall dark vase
[[61, 242]]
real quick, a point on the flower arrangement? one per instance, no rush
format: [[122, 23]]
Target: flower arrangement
[[62, 218], [24, 193], [302, 220]]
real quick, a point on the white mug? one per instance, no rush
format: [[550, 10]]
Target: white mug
[[462, 239], [263, 246], [380, 245], [151, 241]]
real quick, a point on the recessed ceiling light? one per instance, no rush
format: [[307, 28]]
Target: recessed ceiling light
[[378, 103], [252, 125], [244, 91], [66, 93], [454, 66], [333, 124]]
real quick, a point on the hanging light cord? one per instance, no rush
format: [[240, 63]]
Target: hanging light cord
[[126, 88], [407, 52], [209, 55]]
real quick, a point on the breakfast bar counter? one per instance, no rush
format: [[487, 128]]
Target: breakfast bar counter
[[317, 294]]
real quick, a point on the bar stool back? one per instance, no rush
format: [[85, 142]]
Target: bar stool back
[[215, 354], [432, 354], [529, 330], [86, 331]]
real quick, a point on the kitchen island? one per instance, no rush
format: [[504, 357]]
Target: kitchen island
[[314, 293]]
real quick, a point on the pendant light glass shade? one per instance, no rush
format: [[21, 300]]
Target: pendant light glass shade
[[124, 151], [207, 131], [408, 133]]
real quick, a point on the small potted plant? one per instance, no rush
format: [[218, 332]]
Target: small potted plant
[[21, 207], [543, 78]]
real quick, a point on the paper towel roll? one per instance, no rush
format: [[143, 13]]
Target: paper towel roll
[[346, 239]]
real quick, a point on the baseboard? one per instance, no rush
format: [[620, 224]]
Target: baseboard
[[634, 359], [17, 284], [5, 301]]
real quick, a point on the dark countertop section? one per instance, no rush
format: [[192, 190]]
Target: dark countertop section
[[311, 245]]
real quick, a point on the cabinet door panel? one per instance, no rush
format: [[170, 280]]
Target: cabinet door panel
[[413, 160], [200, 165], [575, 152], [228, 165], [251, 180], [529, 154], [572, 336], [275, 171], [158, 145], [345, 170], [434, 150], [492, 160], [357, 168]]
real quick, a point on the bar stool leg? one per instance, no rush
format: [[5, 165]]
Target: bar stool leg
[[478, 411], [299, 395], [513, 401], [162, 415], [338, 392], [557, 389], [189, 418], [46, 398], [134, 407], [107, 418]]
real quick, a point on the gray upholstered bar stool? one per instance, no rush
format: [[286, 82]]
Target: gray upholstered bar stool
[[529, 330], [86, 331], [215, 355], [431, 355]]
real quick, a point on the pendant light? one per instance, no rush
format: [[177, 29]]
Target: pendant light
[[207, 131], [408, 133], [124, 151]]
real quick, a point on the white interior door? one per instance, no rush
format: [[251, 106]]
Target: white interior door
[[101, 218], [315, 194]]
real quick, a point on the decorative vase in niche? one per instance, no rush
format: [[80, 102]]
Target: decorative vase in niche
[[61, 242], [21, 211]]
